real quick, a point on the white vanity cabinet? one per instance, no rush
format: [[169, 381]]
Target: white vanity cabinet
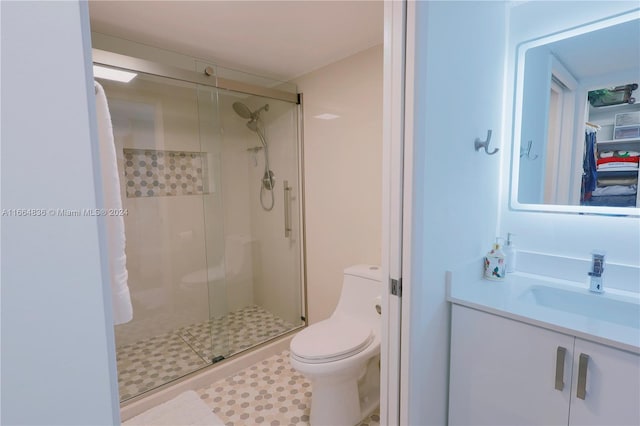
[[505, 372], [612, 386]]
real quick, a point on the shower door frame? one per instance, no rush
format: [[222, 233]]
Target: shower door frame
[[143, 66], [130, 63]]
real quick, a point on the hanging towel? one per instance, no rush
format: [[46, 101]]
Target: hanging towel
[[121, 299]]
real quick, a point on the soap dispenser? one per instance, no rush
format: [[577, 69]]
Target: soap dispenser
[[494, 264], [510, 253]]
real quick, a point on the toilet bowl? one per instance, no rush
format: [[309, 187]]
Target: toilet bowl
[[340, 355]]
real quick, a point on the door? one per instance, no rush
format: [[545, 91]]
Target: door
[[610, 379], [252, 214], [556, 101], [503, 372]]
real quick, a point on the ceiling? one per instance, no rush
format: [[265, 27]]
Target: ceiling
[[276, 39], [602, 52]]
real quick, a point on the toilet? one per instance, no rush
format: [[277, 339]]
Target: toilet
[[340, 355]]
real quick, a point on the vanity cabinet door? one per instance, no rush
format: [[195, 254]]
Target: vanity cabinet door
[[503, 372], [610, 386]]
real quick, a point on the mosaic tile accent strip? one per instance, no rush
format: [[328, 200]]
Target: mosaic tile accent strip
[[152, 362], [270, 392], [151, 173]]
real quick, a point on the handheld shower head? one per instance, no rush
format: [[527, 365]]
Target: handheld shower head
[[243, 111]]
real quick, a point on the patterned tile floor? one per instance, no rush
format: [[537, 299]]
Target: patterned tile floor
[[152, 362], [270, 393]]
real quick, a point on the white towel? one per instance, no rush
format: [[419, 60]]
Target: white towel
[[619, 166], [185, 409], [121, 299]]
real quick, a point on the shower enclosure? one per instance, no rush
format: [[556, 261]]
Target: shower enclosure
[[210, 179]]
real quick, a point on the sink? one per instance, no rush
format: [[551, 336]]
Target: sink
[[603, 307]]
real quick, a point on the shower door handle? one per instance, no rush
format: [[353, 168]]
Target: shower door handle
[[287, 209]]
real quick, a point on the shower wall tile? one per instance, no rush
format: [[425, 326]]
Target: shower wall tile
[[151, 173]]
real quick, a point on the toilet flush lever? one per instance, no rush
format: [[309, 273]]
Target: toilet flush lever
[[378, 309]]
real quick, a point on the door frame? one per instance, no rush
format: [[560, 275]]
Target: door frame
[[394, 208]]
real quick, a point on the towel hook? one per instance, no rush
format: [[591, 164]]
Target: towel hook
[[485, 144], [526, 152]]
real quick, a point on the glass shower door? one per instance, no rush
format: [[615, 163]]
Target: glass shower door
[[211, 183], [251, 207], [165, 182]]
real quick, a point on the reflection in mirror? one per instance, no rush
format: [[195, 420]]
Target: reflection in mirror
[[577, 125], [612, 148]]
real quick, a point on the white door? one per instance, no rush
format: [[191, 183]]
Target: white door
[[503, 372], [610, 379]]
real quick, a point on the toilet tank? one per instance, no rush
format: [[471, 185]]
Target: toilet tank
[[361, 288]]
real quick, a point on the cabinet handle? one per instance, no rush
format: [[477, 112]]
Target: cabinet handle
[[582, 376], [560, 354]]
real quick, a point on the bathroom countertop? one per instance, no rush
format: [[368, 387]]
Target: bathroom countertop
[[512, 299]]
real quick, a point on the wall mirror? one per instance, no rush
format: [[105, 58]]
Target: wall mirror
[[576, 137]]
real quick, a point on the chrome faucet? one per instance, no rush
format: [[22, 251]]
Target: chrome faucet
[[597, 269]]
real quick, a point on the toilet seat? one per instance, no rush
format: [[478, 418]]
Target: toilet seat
[[331, 340]]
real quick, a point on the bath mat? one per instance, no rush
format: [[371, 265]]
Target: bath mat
[[186, 409]]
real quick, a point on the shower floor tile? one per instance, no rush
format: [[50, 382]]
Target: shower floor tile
[[152, 362], [270, 392], [234, 332]]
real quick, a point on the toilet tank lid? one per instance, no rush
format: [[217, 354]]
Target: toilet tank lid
[[372, 272]]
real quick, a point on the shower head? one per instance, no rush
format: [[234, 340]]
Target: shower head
[[242, 110]]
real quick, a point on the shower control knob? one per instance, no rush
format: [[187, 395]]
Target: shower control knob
[[208, 71]]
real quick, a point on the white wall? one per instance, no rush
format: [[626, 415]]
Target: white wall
[[456, 97], [553, 233], [58, 357], [342, 167]]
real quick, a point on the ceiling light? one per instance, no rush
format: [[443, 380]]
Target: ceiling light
[[113, 74], [326, 116]]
